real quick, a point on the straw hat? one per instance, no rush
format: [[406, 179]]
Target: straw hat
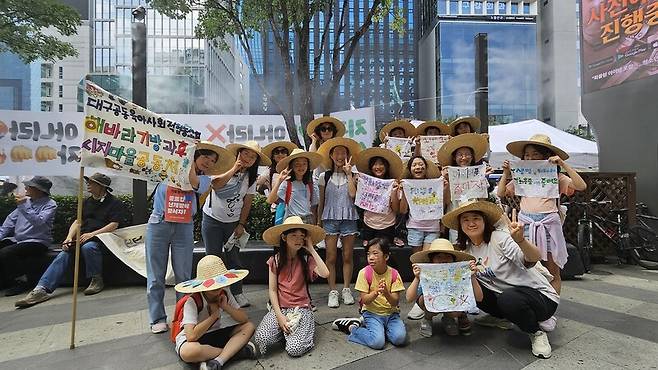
[[222, 165], [476, 142], [432, 170], [517, 147], [211, 274], [272, 235], [340, 126], [473, 121], [324, 149], [251, 145], [314, 159], [394, 161], [491, 211], [406, 125], [269, 148], [439, 246], [443, 128]]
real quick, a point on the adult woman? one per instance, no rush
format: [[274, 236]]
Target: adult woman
[[169, 230], [226, 209], [464, 125], [322, 129], [429, 128], [512, 287], [276, 152]]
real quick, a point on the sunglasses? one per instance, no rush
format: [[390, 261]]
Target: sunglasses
[[327, 128], [280, 151]]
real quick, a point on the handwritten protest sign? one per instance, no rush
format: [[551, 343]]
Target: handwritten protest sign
[[400, 145], [535, 179], [447, 287], [468, 183], [425, 198], [373, 194], [430, 145], [135, 142]]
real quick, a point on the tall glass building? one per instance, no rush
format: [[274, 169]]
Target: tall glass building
[[446, 40]]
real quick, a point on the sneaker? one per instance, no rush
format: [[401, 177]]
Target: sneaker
[[464, 325], [159, 327], [242, 300], [449, 325], [95, 286], [37, 295], [416, 313], [348, 299], [210, 365], [248, 352], [540, 345], [548, 325], [333, 299], [494, 322], [313, 307], [346, 323], [426, 328]]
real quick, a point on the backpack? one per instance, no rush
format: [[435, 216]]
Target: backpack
[[368, 274], [178, 313], [281, 207]]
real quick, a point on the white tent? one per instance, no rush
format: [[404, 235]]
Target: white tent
[[583, 154]]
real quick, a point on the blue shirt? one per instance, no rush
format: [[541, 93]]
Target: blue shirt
[[31, 221], [161, 194]]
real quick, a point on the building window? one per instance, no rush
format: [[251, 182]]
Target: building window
[[515, 8], [466, 7], [526, 8], [46, 106], [46, 70], [502, 8], [46, 89], [61, 107], [61, 91], [454, 7], [61, 72]]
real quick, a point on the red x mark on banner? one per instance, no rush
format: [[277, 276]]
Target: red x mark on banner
[[216, 133]]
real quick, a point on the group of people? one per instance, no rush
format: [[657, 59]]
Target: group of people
[[312, 196]]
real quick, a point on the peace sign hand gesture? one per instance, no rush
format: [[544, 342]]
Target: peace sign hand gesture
[[347, 167], [515, 228]]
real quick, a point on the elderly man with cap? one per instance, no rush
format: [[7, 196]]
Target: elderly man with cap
[[101, 213], [26, 233]]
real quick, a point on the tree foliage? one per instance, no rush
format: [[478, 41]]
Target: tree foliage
[[22, 26]]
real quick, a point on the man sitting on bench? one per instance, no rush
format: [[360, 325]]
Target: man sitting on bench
[[101, 213]]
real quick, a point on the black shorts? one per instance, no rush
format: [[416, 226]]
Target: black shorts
[[368, 233], [216, 338]]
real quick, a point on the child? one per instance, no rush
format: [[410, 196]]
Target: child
[[401, 128], [338, 212], [380, 287], [213, 328], [290, 271], [441, 251], [464, 125], [383, 164], [295, 188]]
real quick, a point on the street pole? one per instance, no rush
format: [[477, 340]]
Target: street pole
[[482, 81], [140, 206]]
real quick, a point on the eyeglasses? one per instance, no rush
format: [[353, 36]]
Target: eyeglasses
[[280, 151], [462, 155], [326, 128]]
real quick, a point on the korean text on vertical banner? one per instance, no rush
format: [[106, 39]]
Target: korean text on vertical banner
[[468, 183], [535, 179], [425, 198], [447, 287], [135, 142], [373, 194]]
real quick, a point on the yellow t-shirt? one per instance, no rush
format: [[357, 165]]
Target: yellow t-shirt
[[380, 305]]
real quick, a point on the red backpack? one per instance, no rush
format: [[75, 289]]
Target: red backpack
[[368, 273], [178, 313], [286, 200]]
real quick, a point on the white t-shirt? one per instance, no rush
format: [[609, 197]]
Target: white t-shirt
[[228, 210], [192, 316]]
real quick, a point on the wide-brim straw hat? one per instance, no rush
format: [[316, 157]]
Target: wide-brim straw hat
[[443, 128], [490, 210], [269, 148], [251, 145], [406, 125], [431, 169], [340, 126], [314, 159], [473, 121], [272, 235], [440, 246], [516, 148], [476, 142], [352, 146], [394, 161], [211, 274], [223, 164]]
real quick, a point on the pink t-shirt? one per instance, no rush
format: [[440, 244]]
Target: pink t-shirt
[[292, 287], [543, 205], [379, 221]]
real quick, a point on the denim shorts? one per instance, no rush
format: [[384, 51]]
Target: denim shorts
[[416, 238], [340, 227]]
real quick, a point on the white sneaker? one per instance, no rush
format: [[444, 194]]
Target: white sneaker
[[159, 327], [426, 328], [540, 345], [416, 313], [242, 300], [548, 325], [348, 299], [333, 299]]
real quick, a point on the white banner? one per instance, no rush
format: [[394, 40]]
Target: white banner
[[22, 133], [425, 198], [538, 179], [373, 194], [400, 145], [468, 182], [447, 287], [430, 145]]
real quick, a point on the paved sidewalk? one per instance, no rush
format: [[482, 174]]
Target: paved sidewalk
[[608, 319]]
